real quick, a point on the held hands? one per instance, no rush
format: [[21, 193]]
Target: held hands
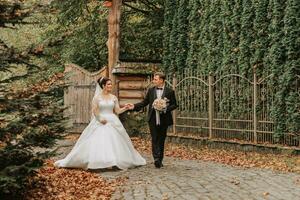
[[129, 106]]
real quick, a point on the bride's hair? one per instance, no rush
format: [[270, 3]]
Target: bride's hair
[[102, 81]]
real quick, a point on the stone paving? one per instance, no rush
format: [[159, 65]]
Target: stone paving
[[192, 179]]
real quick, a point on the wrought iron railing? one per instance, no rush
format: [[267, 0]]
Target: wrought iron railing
[[230, 107]]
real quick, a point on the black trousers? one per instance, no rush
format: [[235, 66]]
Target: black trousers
[[158, 136]]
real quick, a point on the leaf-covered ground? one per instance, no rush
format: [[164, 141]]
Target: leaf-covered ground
[[57, 183], [287, 163]]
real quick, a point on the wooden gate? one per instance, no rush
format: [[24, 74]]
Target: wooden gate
[[78, 95]]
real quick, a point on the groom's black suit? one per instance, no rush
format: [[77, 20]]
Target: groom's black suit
[[158, 132]]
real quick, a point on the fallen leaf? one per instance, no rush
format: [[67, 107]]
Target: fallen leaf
[[266, 193]]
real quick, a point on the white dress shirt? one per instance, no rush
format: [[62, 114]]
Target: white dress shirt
[[160, 92]]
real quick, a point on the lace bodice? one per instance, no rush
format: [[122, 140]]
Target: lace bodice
[[108, 105]]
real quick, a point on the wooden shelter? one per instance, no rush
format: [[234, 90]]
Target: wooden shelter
[[132, 80]]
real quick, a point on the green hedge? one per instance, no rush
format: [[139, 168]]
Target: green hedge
[[238, 36]]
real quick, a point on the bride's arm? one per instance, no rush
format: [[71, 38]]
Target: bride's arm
[[117, 108], [96, 111]]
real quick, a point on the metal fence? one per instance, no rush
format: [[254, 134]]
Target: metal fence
[[229, 107]]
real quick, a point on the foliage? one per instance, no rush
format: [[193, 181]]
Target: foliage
[[29, 121], [194, 21], [77, 33], [12, 12], [240, 37], [80, 32], [31, 117], [141, 31], [288, 96], [182, 35], [169, 12], [135, 123]]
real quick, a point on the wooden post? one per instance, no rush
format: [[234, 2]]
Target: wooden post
[[210, 104], [254, 106], [113, 38], [174, 83]]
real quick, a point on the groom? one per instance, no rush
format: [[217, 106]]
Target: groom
[[158, 124]]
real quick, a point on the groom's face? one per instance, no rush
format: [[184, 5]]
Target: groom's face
[[157, 81]]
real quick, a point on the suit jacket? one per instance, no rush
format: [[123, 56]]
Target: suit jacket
[[165, 118]]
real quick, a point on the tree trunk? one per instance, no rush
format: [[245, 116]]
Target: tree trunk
[[113, 37]]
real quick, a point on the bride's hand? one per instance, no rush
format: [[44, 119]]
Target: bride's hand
[[103, 121], [129, 106]]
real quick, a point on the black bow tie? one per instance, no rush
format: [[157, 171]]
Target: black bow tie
[[159, 88]]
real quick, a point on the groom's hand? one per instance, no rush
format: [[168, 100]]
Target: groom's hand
[[129, 106]]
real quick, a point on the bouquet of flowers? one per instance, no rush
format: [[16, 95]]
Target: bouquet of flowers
[[160, 104]]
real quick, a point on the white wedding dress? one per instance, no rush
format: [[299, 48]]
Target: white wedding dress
[[103, 145]]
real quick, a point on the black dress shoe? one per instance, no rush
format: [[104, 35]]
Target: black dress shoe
[[157, 164], [115, 168]]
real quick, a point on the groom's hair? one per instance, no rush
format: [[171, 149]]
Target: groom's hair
[[102, 81], [161, 75]]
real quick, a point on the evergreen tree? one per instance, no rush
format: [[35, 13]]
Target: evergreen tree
[[173, 43], [215, 37], [277, 60], [31, 117], [204, 38], [260, 27], [239, 36], [195, 19], [228, 64], [182, 37], [290, 80], [170, 10], [236, 23], [246, 38]]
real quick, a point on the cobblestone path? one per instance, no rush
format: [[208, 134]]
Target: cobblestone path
[[196, 179]]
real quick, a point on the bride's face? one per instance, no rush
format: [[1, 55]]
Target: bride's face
[[108, 86]]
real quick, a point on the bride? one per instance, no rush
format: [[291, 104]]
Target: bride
[[104, 142]]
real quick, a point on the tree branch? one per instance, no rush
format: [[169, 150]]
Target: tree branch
[[137, 9], [149, 4]]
